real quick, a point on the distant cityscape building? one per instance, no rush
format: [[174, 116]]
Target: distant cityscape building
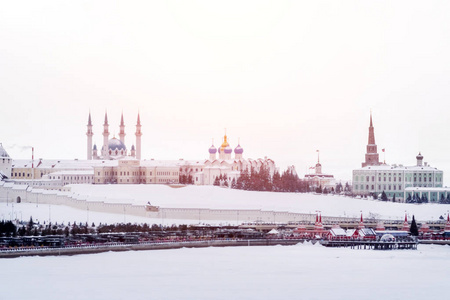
[[5, 163], [114, 148], [374, 177], [372, 157], [319, 179], [115, 165], [229, 167]]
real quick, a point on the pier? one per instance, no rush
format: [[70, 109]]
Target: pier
[[376, 245]]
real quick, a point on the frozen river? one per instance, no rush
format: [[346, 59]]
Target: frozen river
[[278, 272]]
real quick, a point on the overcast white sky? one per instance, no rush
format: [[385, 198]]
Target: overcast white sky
[[286, 77]]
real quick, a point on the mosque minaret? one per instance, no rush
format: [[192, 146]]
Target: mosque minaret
[[105, 137], [122, 130], [89, 134], [138, 138], [113, 148]]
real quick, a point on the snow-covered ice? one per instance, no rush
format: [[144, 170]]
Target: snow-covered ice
[[303, 271], [280, 272]]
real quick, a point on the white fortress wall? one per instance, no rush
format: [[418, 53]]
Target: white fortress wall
[[10, 192]]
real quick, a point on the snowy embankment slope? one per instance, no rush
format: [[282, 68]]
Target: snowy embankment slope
[[280, 272], [213, 198], [221, 198]]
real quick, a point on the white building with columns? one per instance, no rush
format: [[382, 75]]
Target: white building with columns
[[375, 177]]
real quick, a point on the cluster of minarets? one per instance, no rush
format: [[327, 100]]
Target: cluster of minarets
[[105, 150]]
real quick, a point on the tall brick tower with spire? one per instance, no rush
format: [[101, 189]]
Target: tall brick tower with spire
[[372, 157]]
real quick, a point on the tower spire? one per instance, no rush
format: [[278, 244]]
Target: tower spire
[[138, 137], [105, 150], [122, 130], [106, 118], [372, 157], [89, 134]]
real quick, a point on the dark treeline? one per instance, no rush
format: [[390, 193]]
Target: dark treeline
[[7, 228], [186, 179], [424, 199], [262, 181], [31, 228]]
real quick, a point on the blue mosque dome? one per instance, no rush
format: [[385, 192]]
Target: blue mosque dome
[[238, 149], [116, 144]]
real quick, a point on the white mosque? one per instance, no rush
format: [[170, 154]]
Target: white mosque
[[113, 148]]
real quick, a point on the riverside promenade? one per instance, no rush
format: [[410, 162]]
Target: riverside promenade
[[116, 247]]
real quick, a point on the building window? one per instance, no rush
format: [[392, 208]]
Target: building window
[[384, 178], [367, 178], [373, 179], [389, 187], [379, 178], [367, 187], [373, 187]]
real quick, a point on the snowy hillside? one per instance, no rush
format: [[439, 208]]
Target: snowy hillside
[[213, 198], [221, 198]]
